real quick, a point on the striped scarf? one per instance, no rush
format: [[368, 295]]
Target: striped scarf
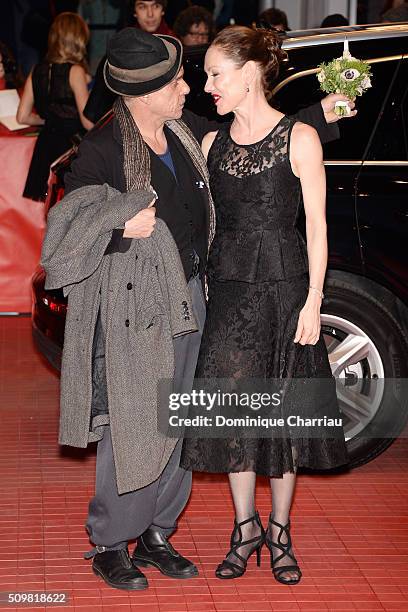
[[138, 175]]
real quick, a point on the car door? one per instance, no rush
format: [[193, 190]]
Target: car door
[[382, 185], [361, 318], [344, 159]]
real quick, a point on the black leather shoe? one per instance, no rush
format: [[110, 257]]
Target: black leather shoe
[[117, 570], [153, 548]]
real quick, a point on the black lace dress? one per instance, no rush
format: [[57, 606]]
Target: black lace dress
[[54, 101], [258, 283]]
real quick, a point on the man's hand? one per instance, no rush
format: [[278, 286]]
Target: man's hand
[[328, 104], [142, 224]]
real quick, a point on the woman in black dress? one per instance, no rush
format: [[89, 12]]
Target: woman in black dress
[[58, 90], [265, 290]]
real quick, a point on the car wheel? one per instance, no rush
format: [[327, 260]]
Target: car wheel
[[368, 354]]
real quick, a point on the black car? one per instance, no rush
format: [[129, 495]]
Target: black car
[[365, 311]]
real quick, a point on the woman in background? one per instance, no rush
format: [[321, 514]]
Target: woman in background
[[58, 89], [10, 76]]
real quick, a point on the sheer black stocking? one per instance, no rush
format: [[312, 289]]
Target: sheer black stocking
[[282, 496], [243, 493]]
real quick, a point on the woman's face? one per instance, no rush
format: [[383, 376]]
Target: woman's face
[[225, 81], [2, 73]]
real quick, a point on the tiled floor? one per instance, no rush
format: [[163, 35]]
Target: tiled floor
[[350, 531]]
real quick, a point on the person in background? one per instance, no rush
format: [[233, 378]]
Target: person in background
[[149, 15], [58, 89], [194, 26], [175, 7], [275, 19], [10, 77], [335, 20], [395, 11], [149, 18]]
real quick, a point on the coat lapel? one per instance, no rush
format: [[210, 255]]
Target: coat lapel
[[181, 166]]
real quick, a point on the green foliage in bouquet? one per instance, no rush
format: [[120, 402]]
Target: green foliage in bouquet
[[345, 75]]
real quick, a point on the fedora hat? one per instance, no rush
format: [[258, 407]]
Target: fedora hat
[[139, 63]]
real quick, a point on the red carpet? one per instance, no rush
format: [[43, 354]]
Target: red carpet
[[350, 531]]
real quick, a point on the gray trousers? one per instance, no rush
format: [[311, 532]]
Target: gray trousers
[[114, 519]]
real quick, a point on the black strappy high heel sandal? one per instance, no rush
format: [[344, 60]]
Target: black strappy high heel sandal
[[285, 552], [238, 570]]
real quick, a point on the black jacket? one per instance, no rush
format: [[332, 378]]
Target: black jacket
[[182, 199]]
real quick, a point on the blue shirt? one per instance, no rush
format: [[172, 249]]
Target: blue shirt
[[167, 159]]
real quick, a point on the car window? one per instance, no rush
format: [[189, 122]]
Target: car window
[[390, 140], [354, 133]]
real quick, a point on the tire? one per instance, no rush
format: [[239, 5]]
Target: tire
[[368, 353]]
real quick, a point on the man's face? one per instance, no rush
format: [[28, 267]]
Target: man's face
[[149, 15], [168, 102], [197, 35]]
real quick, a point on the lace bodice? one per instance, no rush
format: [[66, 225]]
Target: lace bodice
[[257, 200], [244, 160]]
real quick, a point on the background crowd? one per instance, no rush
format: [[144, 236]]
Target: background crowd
[[61, 45], [25, 26]]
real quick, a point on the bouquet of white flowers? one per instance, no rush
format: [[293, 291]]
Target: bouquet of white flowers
[[345, 75]]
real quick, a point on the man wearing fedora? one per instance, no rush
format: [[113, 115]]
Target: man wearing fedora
[[145, 144], [150, 141]]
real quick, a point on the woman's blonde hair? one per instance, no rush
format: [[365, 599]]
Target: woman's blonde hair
[[67, 40]]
